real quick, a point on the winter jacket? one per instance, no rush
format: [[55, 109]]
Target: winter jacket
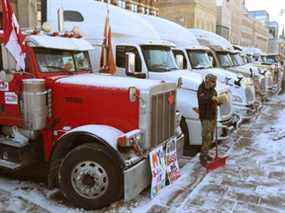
[[207, 107]]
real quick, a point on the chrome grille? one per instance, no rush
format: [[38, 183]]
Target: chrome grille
[[162, 117], [263, 85], [225, 109], [249, 94]]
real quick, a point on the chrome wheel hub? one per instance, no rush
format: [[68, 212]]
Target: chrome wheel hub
[[89, 179]]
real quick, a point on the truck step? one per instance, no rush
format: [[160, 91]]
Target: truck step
[[11, 142], [9, 165]]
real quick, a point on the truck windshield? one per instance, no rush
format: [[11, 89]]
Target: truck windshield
[[225, 59], [236, 59], [158, 58], [249, 59], [54, 60], [271, 59], [199, 59]]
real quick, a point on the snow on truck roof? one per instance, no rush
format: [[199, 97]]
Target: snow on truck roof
[[110, 82], [123, 23], [58, 42], [171, 31], [211, 39]]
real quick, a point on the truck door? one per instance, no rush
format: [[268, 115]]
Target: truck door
[[121, 59], [10, 90]]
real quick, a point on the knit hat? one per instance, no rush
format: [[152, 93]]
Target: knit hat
[[211, 77]]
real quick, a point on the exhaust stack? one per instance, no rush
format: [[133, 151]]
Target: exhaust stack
[[60, 19]]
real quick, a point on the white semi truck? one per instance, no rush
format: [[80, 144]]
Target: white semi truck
[[221, 54], [152, 58], [190, 55]]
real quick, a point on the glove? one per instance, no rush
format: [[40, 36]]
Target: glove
[[222, 99], [215, 99]]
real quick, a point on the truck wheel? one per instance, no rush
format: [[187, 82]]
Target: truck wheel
[[185, 131], [188, 150], [90, 177]]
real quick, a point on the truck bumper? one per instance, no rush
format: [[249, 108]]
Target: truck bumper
[[225, 128], [245, 112], [138, 177]]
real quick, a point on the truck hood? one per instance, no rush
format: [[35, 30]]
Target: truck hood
[[222, 74], [108, 81], [190, 80]]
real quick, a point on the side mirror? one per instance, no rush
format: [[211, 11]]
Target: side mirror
[[211, 60], [130, 63], [131, 66], [179, 61]]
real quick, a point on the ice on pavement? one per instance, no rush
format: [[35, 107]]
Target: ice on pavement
[[252, 181]]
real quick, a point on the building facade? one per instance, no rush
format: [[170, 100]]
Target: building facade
[[140, 6], [239, 26], [260, 15], [224, 18], [26, 12], [190, 13]]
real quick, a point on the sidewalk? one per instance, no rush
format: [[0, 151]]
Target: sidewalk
[[252, 181]]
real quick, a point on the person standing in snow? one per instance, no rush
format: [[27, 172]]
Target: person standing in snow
[[208, 103]]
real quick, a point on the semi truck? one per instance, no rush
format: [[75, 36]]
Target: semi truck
[[221, 51], [151, 58], [190, 55], [93, 131]]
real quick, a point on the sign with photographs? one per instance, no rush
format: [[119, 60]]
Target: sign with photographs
[[172, 167], [158, 170], [163, 164]]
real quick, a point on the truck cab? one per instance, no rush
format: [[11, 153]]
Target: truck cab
[[152, 58], [191, 56], [93, 131], [260, 60], [221, 51]]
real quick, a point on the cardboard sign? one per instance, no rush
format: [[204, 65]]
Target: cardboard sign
[[172, 167], [158, 170], [11, 98]]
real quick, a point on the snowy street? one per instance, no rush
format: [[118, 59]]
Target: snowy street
[[252, 181]]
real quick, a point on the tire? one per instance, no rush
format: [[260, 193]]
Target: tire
[[185, 132], [88, 162]]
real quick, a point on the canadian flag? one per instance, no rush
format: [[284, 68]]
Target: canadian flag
[[107, 57], [13, 38]]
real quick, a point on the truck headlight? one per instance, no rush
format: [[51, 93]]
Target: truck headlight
[[178, 119], [130, 139], [237, 99]]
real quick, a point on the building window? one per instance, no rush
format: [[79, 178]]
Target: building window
[[147, 11], [73, 16], [134, 7], [122, 3]]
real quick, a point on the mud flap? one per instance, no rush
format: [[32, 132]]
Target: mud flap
[[136, 179]]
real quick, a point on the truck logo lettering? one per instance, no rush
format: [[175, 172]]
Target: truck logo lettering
[[75, 100]]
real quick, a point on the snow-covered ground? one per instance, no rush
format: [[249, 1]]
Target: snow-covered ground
[[252, 181]]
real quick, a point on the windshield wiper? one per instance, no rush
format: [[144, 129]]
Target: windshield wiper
[[53, 67], [157, 67], [199, 67]]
